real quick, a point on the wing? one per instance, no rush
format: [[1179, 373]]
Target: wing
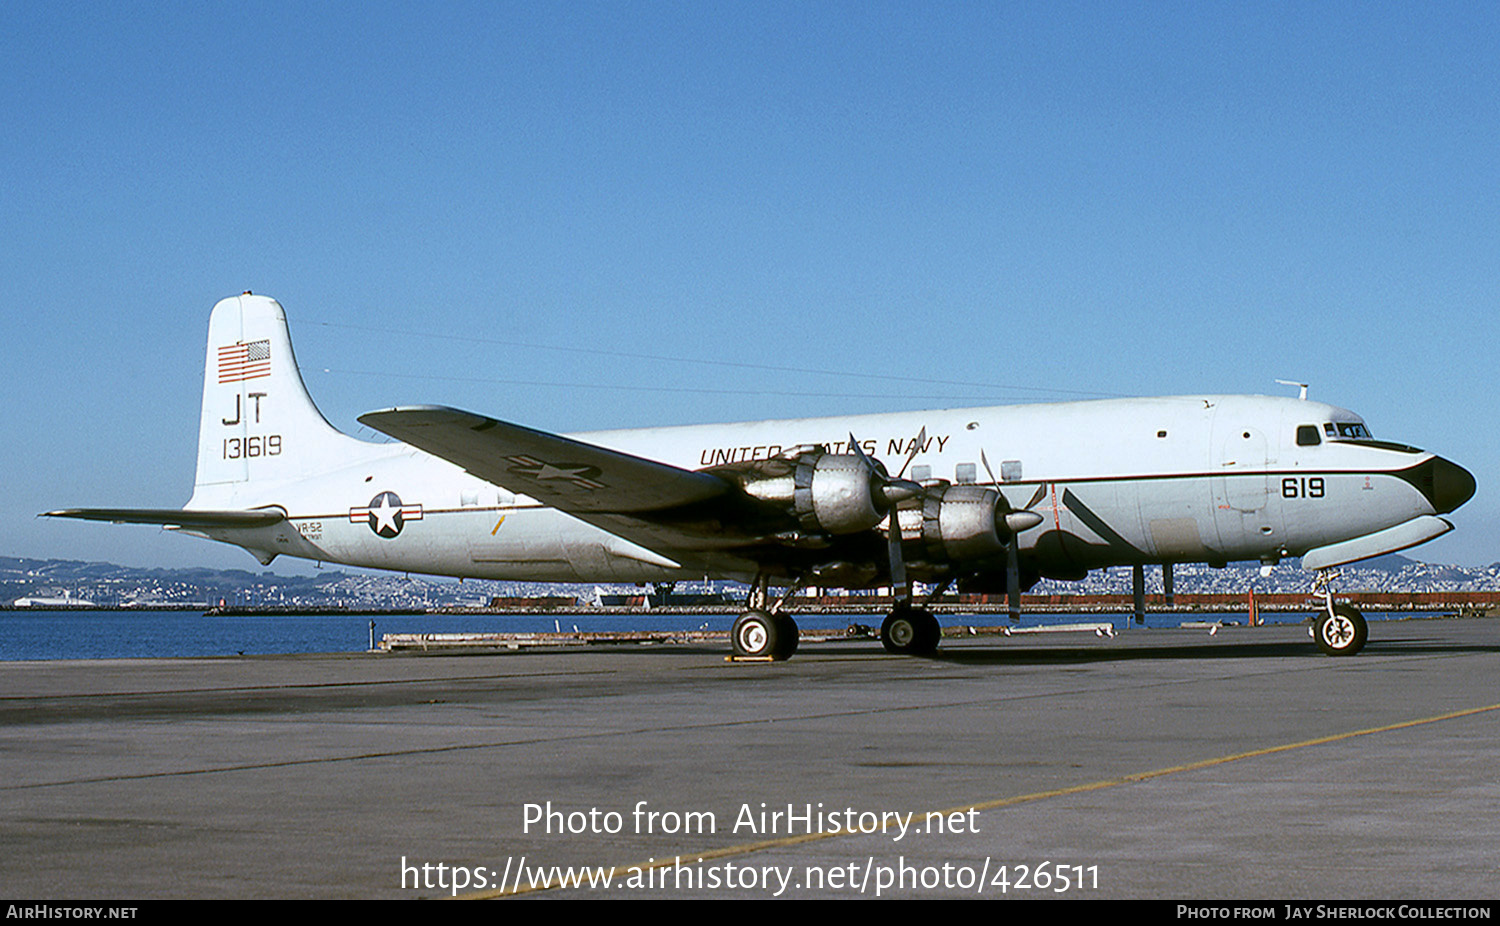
[[174, 517], [566, 474], [690, 517]]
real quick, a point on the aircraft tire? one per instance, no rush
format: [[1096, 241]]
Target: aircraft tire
[[932, 633], [1342, 633], [910, 632], [788, 636], [759, 634]]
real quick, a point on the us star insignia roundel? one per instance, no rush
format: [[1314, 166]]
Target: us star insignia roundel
[[386, 515], [577, 474]]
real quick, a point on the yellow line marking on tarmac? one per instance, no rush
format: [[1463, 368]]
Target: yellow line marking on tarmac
[[624, 871]]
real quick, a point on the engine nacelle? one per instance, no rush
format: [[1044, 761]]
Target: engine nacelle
[[832, 493], [960, 523]]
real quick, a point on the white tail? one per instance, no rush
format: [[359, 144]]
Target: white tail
[[259, 424]]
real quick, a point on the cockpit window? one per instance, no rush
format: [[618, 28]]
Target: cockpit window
[[1353, 430], [1307, 435]]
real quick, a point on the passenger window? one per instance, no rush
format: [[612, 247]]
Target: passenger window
[[921, 473], [964, 475], [1307, 435]]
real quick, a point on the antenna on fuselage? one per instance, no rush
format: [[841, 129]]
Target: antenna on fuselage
[[1302, 387]]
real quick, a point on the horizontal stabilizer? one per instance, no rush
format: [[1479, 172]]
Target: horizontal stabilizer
[[1391, 540], [567, 474], [174, 517]]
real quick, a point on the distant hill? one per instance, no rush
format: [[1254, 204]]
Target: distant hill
[[66, 570], [1390, 562]]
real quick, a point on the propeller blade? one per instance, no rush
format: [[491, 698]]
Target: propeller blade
[[1013, 582], [916, 448], [859, 451], [1015, 520], [991, 473], [1004, 506], [899, 589]]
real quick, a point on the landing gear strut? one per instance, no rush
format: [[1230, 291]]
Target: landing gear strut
[[1338, 628]]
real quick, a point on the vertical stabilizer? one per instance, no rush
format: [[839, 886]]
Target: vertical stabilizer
[[259, 424]]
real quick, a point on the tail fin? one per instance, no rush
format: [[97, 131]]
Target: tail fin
[[258, 420]]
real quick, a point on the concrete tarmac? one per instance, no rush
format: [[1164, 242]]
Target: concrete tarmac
[[1160, 764]]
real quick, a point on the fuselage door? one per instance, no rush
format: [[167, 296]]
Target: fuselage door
[[1241, 480], [1245, 511]]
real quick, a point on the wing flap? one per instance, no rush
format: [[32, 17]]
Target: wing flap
[[566, 474]]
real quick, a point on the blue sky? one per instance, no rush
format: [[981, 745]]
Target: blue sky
[[1042, 201]]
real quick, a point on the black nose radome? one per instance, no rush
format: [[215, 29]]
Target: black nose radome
[[1452, 485], [1445, 484]]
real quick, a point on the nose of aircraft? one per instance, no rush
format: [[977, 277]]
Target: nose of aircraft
[[1451, 485]]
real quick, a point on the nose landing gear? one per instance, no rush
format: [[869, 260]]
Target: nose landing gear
[[1338, 628]]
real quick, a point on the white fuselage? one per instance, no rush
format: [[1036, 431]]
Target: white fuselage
[[1179, 479]]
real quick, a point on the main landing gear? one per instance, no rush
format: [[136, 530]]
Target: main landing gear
[[762, 635], [1338, 628], [763, 632], [910, 631]]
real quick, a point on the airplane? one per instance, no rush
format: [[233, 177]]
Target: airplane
[[802, 503]]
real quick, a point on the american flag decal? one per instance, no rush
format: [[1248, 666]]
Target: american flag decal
[[239, 362]]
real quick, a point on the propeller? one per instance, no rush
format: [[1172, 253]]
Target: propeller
[[893, 490], [889, 492], [1015, 520]]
